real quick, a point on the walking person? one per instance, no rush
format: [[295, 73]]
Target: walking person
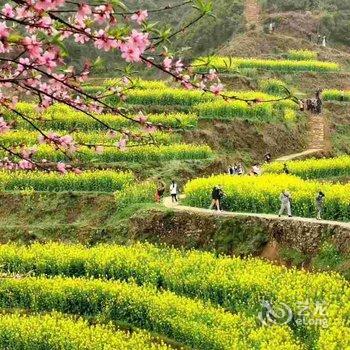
[[319, 39], [216, 195], [256, 170], [285, 169], [240, 169], [160, 189], [174, 191], [272, 27], [324, 41], [231, 170], [286, 203], [318, 101], [268, 157], [320, 199]]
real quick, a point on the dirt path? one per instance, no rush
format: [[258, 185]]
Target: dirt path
[[252, 11], [178, 207], [316, 142], [316, 145]]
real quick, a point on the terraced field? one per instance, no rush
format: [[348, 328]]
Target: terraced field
[[189, 299], [141, 296]]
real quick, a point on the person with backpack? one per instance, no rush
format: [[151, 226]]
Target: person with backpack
[[240, 169], [256, 170], [174, 191], [318, 102], [216, 195], [160, 189], [286, 203], [268, 157], [320, 199], [231, 170]]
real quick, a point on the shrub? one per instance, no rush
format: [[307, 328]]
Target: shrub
[[190, 322], [167, 96], [230, 64], [263, 112], [336, 95], [273, 87], [136, 193], [238, 285], [302, 55], [313, 168], [132, 154], [99, 180], [61, 117], [54, 331], [139, 84], [236, 109], [30, 138]]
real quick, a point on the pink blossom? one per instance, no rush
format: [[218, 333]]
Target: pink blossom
[[140, 16], [4, 31], [104, 42], [84, 10], [185, 82], [111, 134], [27, 152], [23, 63], [77, 171], [141, 118], [45, 5], [82, 38], [67, 143], [7, 10], [4, 47], [41, 139], [4, 127], [33, 46], [187, 85], [65, 34], [217, 88], [201, 85], [45, 22], [179, 66], [23, 12], [61, 167], [48, 59], [139, 39], [212, 75], [99, 149], [167, 63], [150, 128], [67, 139], [149, 64], [130, 53], [24, 164], [122, 144], [125, 80], [102, 13]]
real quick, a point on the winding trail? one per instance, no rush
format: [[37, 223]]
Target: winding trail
[[316, 142], [316, 145], [182, 208], [252, 11]]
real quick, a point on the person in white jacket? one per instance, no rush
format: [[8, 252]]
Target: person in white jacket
[[286, 203], [173, 191]]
